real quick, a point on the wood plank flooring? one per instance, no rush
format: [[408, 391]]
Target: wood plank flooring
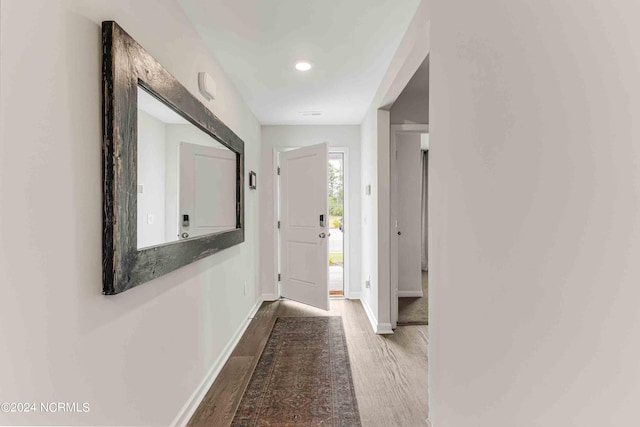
[[389, 372]]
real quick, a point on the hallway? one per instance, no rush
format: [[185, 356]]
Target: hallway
[[389, 371]]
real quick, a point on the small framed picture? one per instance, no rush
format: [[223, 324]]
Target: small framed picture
[[253, 184]]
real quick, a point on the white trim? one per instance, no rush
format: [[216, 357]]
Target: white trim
[[276, 241], [195, 399], [270, 297], [378, 328], [410, 294], [346, 217], [384, 329], [354, 295], [393, 229], [429, 423], [369, 312], [276, 214], [421, 128]]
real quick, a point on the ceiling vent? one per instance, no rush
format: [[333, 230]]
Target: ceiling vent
[[310, 113]]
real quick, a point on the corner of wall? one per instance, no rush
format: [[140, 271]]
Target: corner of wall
[[177, 329], [378, 328], [384, 216]]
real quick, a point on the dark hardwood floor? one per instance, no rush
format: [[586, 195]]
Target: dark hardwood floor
[[389, 372]]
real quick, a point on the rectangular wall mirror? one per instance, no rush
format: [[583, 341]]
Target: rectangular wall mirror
[[172, 170]]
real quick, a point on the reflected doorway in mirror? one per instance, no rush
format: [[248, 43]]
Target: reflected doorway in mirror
[[185, 173]]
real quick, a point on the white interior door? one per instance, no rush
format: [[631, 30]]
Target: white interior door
[[409, 196], [304, 226], [207, 190], [406, 226]]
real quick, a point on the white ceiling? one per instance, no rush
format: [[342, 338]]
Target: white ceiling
[[350, 43]]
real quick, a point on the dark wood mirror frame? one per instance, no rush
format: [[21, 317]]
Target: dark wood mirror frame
[[126, 65]]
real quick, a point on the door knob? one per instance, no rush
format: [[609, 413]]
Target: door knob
[[399, 233], [322, 235], [185, 235]]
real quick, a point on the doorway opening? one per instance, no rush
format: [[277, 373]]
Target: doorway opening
[[409, 214], [312, 212], [336, 223]]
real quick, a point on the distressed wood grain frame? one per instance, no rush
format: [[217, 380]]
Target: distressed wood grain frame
[[125, 66]]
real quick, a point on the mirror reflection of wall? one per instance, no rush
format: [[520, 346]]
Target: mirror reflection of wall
[[186, 179]]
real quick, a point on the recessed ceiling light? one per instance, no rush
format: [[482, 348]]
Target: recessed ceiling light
[[303, 66]]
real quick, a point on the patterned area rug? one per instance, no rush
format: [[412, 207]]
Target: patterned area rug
[[303, 377]]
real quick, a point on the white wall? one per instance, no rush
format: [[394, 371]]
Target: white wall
[[151, 175], [375, 145], [375, 142], [369, 217], [135, 357], [535, 213], [412, 106], [278, 137]]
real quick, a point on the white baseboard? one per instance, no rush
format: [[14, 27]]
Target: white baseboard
[[270, 297], [367, 309], [192, 404], [384, 329], [410, 294], [378, 328], [354, 295]]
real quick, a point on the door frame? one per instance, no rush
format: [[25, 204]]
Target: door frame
[[346, 221], [276, 214], [393, 261]]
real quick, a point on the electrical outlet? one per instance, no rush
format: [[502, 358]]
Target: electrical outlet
[[150, 219], [367, 283]]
